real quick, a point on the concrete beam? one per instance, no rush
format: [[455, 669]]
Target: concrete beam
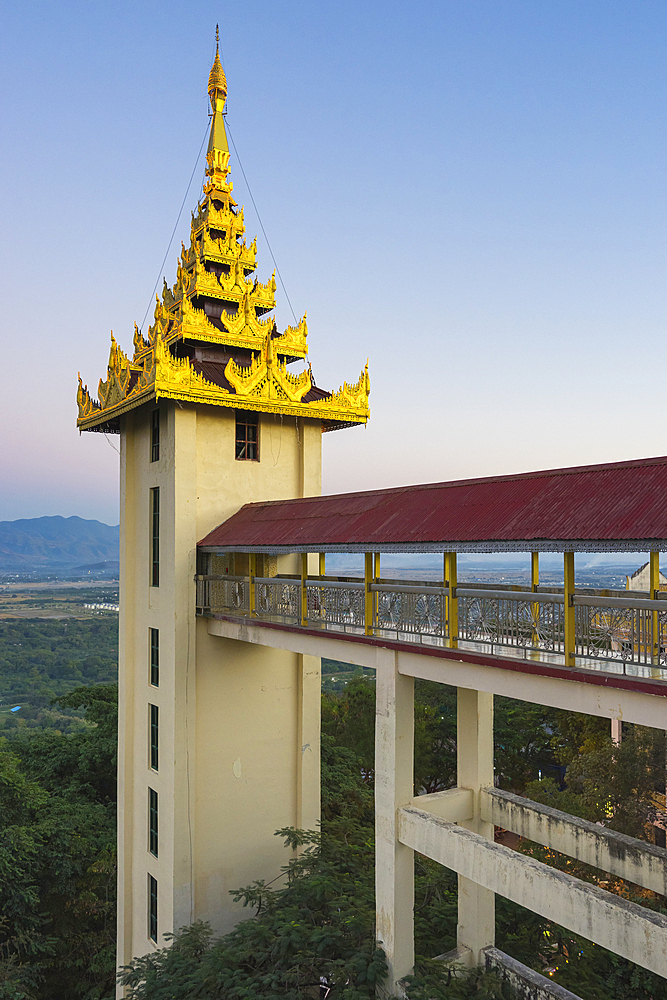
[[638, 862], [643, 708], [455, 805], [605, 700], [628, 930], [527, 984]]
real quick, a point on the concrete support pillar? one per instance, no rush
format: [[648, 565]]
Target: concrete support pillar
[[394, 862], [474, 751], [309, 684]]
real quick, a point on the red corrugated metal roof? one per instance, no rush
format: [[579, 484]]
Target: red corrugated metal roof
[[600, 507]]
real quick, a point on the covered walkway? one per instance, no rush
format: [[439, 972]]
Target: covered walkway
[[262, 580]]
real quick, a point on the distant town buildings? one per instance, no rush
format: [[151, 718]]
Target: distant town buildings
[[640, 579]]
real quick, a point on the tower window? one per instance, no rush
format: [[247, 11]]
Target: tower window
[[247, 436], [152, 908], [155, 657], [155, 435], [152, 821], [154, 736], [155, 540]]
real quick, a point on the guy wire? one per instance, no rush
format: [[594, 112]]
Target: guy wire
[[171, 239], [260, 222]]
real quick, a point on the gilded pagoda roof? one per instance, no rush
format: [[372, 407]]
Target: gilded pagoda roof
[[214, 337]]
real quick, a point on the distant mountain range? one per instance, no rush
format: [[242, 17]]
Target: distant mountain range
[[58, 544]]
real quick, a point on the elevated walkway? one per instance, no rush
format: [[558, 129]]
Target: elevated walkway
[[598, 652]]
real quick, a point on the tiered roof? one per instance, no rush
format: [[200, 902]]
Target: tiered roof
[[213, 339]]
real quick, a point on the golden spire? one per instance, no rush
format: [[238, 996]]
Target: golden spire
[[252, 357], [217, 81], [217, 92]]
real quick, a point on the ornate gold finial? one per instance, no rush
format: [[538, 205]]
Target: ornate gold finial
[[217, 81], [218, 268]]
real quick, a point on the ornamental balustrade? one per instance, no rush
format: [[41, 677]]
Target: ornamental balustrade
[[612, 630]]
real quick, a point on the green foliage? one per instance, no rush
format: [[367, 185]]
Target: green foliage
[[57, 857], [345, 796], [617, 783], [336, 675], [317, 923], [610, 783], [433, 982], [523, 733], [435, 909], [576, 734], [349, 718], [435, 736], [573, 962], [42, 659], [82, 765]]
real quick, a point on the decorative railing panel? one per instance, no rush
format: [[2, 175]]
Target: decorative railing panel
[[336, 603], [510, 618], [613, 630], [228, 593], [278, 599], [409, 610]]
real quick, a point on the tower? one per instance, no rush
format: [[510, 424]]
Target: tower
[[218, 739]]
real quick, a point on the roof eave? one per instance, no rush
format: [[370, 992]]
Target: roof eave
[[484, 546]]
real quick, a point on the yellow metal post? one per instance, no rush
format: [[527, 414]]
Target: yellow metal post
[[252, 572], [376, 579], [368, 593], [568, 610], [323, 564], [534, 571], [654, 587], [534, 583], [445, 602], [452, 601], [304, 589]]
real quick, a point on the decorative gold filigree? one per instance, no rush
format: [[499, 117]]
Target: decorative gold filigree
[[267, 377], [174, 374], [118, 377], [217, 79], [140, 342], [245, 322], [352, 397], [227, 251], [293, 340], [218, 244], [87, 406]]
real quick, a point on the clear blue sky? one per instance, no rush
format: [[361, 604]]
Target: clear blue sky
[[470, 193]]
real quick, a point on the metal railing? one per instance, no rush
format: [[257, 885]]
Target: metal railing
[[610, 627], [278, 599], [218, 592], [410, 610], [509, 618], [338, 604]]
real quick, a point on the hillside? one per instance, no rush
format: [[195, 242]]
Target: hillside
[[55, 543]]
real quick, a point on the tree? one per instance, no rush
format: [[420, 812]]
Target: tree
[[57, 857], [614, 784]]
